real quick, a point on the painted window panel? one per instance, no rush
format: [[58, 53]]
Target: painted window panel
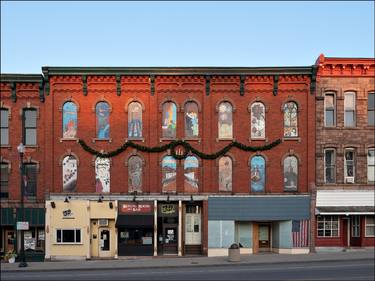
[[135, 172], [225, 173], [102, 120], [290, 173], [135, 120], [102, 173], [4, 139], [70, 172], [225, 122], [191, 120], [191, 174], [258, 174], [169, 168], [290, 120], [169, 120], [258, 121], [69, 120]]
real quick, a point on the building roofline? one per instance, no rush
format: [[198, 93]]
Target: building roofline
[[15, 77]]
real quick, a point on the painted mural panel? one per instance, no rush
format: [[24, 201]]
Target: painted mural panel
[[169, 167], [135, 171], [191, 174], [290, 120], [290, 173], [102, 120], [102, 172], [258, 174], [191, 120], [69, 120], [169, 120], [258, 120], [225, 173], [70, 171], [135, 120], [225, 120]]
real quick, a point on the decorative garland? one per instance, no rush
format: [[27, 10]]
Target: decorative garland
[[173, 145]]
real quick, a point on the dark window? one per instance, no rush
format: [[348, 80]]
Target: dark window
[[349, 168], [329, 110], [4, 181], [4, 140], [30, 179], [330, 165], [29, 126], [68, 236], [371, 109]]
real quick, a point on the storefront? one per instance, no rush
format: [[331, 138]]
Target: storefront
[[168, 228]]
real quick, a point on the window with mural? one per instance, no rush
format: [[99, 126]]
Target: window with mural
[[191, 120], [258, 121], [169, 120], [290, 173], [225, 173], [135, 172], [135, 120], [69, 120], [191, 165], [70, 171], [4, 180], [169, 167], [258, 174], [225, 122], [102, 174], [290, 119], [102, 120], [371, 165], [4, 133], [30, 179]]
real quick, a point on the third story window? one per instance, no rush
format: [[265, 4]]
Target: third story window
[[329, 110], [4, 140], [29, 126], [371, 165], [371, 109], [349, 108]]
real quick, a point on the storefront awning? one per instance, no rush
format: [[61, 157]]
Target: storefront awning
[[133, 221], [35, 216], [7, 217], [350, 210]]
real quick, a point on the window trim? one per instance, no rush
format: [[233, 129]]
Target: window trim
[[334, 165], [334, 109], [351, 93], [7, 128], [24, 126], [8, 176], [367, 235], [367, 164], [75, 238], [324, 220]]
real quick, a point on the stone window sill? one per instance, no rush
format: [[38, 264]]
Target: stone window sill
[[135, 139], [192, 139], [225, 139], [7, 146], [167, 139], [258, 139], [292, 139], [69, 139], [101, 140]]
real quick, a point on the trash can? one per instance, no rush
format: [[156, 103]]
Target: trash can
[[234, 253]]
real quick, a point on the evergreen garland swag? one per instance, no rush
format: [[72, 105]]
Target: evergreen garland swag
[[172, 146]]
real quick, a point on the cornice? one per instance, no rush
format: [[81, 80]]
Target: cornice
[[27, 78]]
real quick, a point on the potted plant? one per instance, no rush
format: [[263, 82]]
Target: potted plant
[[11, 256]]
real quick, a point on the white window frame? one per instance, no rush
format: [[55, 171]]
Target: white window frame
[[368, 165], [334, 165], [345, 165], [350, 110], [324, 219], [334, 109], [75, 238], [366, 225]]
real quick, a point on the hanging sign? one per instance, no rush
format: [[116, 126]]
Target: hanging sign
[[22, 225]]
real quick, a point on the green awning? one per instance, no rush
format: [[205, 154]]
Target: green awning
[[7, 217], [35, 216]]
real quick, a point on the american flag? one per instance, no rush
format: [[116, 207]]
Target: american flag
[[300, 232]]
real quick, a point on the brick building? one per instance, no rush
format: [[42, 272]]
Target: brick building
[[345, 152]]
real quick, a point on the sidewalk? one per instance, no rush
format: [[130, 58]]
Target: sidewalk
[[169, 262]]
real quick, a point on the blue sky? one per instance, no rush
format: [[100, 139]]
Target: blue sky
[[35, 34]]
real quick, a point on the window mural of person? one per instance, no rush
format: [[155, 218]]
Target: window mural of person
[[70, 172], [191, 120], [169, 120], [225, 120], [135, 170], [290, 173], [225, 173], [102, 120], [135, 120], [169, 167], [102, 167], [258, 174], [258, 120], [69, 120], [191, 164], [290, 119]]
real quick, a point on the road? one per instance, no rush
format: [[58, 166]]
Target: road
[[344, 270]]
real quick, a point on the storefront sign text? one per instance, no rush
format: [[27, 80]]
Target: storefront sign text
[[131, 208], [168, 209]]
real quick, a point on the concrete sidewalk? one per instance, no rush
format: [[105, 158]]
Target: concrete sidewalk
[[169, 262]]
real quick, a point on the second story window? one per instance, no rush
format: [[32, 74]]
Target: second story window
[[225, 173], [349, 108], [371, 165], [191, 165], [30, 180], [4, 180], [329, 110], [135, 172], [329, 166], [258, 174], [102, 174], [371, 109], [169, 174], [290, 173], [29, 126], [70, 171], [4, 138], [349, 168], [102, 120]]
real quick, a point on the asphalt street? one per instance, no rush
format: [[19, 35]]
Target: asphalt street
[[343, 270]]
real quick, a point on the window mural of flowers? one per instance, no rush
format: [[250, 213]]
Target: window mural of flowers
[[258, 120], [290, 120]]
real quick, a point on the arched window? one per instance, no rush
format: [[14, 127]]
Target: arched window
[[225, 122], [70, 172], [135, 172], [258, 121], [191, 174], [102, 120], [169, 120], [191, 120], [290, 119], [225, 173], [102, 174], [169, 167], [135, 120], [290, 173], [258, 174], [69, 120]]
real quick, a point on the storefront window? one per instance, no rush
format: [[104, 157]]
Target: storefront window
[[328, 226], [68, 236]]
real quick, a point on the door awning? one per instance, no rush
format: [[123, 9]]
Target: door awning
[[349, 210]]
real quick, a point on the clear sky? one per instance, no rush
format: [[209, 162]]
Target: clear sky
[[36, 34]]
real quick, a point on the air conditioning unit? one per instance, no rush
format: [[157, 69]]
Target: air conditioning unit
[[103, 222], [349, 179]]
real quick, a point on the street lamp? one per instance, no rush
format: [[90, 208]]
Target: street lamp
[[21, 151]]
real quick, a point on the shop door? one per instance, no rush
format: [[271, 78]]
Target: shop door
[[355, 233], [193, 234], [104, 242], [264, 238], [10, 239], [170, 245]]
